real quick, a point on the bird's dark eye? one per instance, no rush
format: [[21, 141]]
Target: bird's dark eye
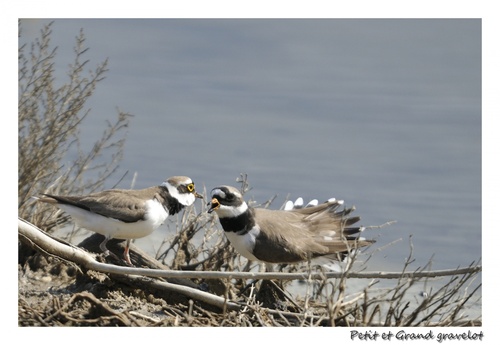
[[229, 197], [190, 187]]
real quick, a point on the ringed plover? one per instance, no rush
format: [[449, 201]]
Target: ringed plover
[[279, 236]]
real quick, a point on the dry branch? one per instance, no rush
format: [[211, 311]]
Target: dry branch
[[79, 256]]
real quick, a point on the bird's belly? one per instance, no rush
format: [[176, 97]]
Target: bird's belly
[[244, 244], [112, 227]]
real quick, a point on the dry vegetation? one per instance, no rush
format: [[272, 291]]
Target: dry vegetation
[[51, 157], [200, 281], [195, 278]]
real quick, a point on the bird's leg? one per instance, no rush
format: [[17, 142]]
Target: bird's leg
[[105, 249], [126, 254]]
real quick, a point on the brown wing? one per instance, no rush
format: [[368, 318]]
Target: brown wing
[[126, 205], [313, 231], [288, 237]]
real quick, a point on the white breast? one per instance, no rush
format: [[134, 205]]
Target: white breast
[[244, 244], [155, 214]]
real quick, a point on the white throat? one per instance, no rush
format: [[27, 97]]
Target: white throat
[[186, 199], [230, 211]]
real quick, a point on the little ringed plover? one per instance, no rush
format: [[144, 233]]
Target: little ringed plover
[[127, 214]]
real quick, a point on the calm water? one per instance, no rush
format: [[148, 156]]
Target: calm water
[[385, 114]]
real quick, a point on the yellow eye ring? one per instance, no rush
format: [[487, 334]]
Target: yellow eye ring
[[190, 187]]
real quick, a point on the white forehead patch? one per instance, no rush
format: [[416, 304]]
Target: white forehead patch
[[219, 192]]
